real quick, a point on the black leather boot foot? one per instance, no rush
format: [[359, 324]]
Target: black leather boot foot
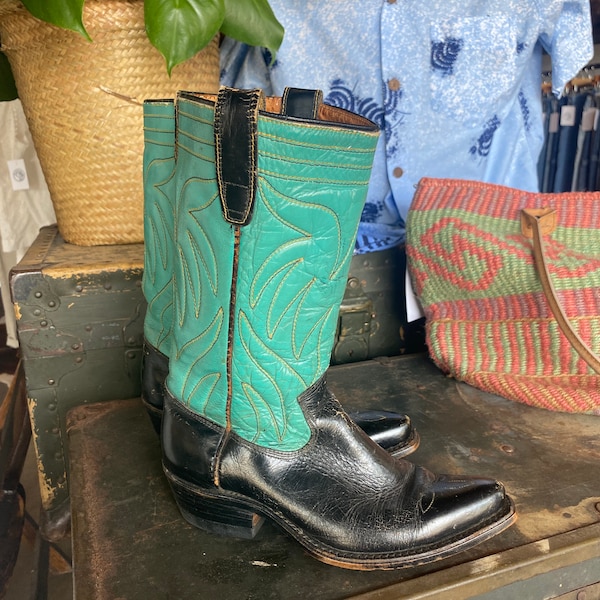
[[344, 499]]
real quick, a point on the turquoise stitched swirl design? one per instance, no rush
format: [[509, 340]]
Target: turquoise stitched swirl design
[[158, 165], [294, 258], [293, 262], [203, 270]]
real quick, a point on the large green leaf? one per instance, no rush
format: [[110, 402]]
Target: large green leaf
[[179, 29], [65, 13], [253, 22]]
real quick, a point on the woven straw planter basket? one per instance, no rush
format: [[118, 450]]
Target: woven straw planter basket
[[83, 103]]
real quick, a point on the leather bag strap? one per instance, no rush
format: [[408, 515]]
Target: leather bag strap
[[535, 223]]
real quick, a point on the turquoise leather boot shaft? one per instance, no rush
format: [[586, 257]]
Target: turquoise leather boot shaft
[[158, 165], [273, 311], [393, 431], [203, 271]]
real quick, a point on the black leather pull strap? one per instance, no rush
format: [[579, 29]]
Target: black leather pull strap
[[236, 125], [303, 104]]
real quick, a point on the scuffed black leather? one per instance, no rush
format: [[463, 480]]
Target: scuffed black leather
[[189, 443], [236, 124], [393, 431], [341, 496], [155, 368], [301, 103]]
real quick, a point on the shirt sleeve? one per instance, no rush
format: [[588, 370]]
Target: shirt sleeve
[[567, 37]]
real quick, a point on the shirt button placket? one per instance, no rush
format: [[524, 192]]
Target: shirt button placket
[[394, 85]]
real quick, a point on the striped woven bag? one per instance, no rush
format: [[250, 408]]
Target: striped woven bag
[[511, 297]]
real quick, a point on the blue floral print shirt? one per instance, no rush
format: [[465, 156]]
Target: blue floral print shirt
[[455, 85]]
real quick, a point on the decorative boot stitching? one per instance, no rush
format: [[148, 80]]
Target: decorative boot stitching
[[278, 348], [159, 161], [230, 337]]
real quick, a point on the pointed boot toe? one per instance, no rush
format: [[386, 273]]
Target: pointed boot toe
[[475, 508], [390, 430]]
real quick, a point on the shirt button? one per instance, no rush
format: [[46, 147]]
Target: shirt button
[[393, 84], [398, 172]]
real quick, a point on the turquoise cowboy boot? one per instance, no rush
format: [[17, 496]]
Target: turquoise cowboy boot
[[391, 430], [159, 248], [268, 208]]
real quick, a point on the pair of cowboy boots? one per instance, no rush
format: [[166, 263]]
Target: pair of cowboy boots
[[251, 210]]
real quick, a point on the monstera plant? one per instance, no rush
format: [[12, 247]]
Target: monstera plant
[[180, 28]]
